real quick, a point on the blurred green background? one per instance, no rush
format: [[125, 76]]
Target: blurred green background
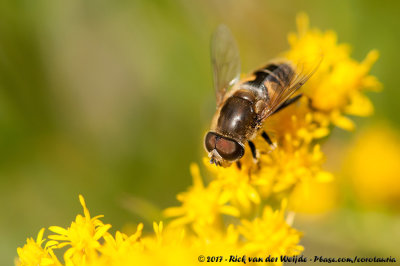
[[111, 99]]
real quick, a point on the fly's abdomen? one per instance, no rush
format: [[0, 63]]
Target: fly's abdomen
[[237, 118], [270, 79]]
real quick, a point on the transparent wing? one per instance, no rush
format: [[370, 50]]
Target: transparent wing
[[284, 81], [225, 61]]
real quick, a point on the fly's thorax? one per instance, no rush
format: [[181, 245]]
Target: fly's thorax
[[237, 117], [245, 94]]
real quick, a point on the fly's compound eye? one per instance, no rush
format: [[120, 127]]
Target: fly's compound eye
[[210, 141], [229, 149]]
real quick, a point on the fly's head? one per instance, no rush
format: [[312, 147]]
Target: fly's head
[[222, 151]]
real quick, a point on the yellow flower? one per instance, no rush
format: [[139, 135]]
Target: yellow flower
[[201, 206], [167, 245], [83, 236], [161, 248], [313, 197], [292, 166], [336, 87], [116, 248], [237, 186], [298, 122], [222, 243], [270, 234], [170, 235], [297, 158], [373, 165], [32, 252]]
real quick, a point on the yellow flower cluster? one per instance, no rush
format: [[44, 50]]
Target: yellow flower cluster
[[34, 254], [336, 88], [90, 243], [242, 210]]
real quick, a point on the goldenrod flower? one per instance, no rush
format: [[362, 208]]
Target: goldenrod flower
[[32, 252], [298, 158], [116, 249], [373, 165], [83, 236], [237, 185], [313, 197], [201, 206], [297, 122], [336, 88], [270, 234]]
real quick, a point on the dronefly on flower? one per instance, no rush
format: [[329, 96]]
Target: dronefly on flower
[[243, 208], [333, 91]]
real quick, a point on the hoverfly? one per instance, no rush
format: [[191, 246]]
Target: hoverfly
[[243, 106]]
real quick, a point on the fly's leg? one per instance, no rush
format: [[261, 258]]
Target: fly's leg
[[239, 165], [310, 105], [268, 140], [288, 102], [256, 162], [253, 149]]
